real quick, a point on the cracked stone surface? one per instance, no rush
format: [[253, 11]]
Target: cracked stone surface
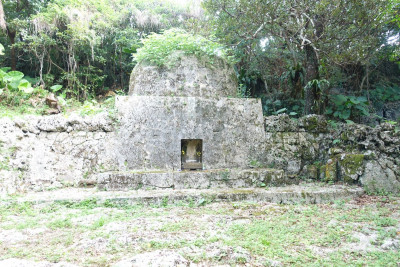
[[190, 76]]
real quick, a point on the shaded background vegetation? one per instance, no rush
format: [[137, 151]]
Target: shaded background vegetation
[[337, 57]]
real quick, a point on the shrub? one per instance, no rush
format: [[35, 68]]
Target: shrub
[[345, 107], [158, 48], [13, 80]]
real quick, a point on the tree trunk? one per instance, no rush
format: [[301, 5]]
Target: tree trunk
[[312, 95], [11, 35], [3, 24], [297, 83]]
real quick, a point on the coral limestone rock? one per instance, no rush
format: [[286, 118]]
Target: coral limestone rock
[[190, 76]]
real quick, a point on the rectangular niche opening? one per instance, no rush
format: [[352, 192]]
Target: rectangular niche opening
[[191, 154]]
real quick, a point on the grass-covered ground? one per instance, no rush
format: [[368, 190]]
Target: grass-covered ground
[[361, 232]]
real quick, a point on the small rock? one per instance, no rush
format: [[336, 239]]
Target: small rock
[[87, 183], [332, 223], [272, 263], [158, 258], [54, 123], [391, 244], [52, 102], [52, 111]]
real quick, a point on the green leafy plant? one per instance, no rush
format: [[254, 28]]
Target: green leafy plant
[[159, 48], [336, 141], [282, 110], [345, 108], [90, 107], [14, 81], [243, 91], [56, 87], [292, 107], [15, 93], [385, 93], [320, 84]]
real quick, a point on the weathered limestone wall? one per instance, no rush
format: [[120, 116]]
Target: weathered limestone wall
[[190, 76], [311, 148], [53, 151], [152, 127], [39, 153], [48, 152]]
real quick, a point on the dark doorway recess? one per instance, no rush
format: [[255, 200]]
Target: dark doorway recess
[[192, 154]]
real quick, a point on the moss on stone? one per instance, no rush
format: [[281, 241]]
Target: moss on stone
[[351, 148], [344, 136], [311, 124], [307, 152], [351, 166], [331, 171], [312, 171], [267, 178]]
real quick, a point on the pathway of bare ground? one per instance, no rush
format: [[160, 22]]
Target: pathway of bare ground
[[364, 231]]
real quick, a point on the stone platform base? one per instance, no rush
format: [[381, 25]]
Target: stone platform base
[[302, 194], [218, 178]]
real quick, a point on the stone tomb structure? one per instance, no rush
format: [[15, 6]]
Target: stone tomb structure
[[183, 127]]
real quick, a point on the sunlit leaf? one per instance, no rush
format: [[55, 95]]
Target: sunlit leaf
[[56, 87]]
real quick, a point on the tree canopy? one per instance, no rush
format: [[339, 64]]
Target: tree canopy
[[313, 37], [294, 54]]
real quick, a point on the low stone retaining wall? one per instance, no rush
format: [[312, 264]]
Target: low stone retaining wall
[[39, 153], [219, 178], [312, 148]]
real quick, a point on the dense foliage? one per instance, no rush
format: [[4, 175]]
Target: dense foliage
[[298, 56], [159, 48], [287, 48], [85, 46]]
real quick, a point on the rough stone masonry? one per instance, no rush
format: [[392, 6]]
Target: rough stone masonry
[[194, 100], [352, 153]]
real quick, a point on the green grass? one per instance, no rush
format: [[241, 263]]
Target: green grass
[[385, 221], [176, 227], [290, 234], [99, 223], [281, 235], [17, 111], [60, 223]]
